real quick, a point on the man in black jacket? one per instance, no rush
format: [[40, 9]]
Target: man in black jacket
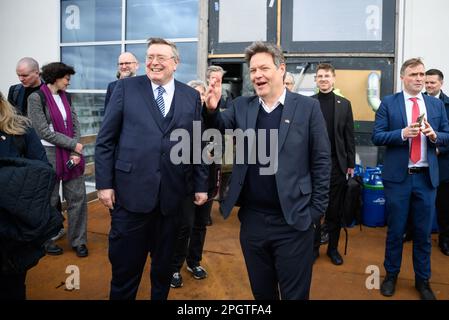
[[337, 113], [28, 72]]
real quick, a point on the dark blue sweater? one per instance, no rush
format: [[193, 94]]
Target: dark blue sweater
[[259, 191]]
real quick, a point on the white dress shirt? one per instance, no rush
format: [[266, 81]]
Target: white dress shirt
[[281, 100], [422, 109]]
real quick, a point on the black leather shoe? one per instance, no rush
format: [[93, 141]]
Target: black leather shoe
[[81, 251], [424, 290], [444, 247], [388, 285], [52, 249], [335, 257]]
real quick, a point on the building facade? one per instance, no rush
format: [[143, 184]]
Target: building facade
[[366, 40]]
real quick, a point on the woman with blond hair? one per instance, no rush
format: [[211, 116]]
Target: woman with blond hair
[[18, 140], [15, 132]]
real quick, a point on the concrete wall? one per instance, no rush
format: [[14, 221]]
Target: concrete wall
[[426, 35], [27, 28]]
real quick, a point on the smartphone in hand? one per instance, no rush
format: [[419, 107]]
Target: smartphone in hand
[[420, 119]]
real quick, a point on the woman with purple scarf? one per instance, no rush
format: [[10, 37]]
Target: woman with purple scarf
[[57, 125]]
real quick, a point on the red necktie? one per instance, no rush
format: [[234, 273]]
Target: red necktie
[[415, 148]]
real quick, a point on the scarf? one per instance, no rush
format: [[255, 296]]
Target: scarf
[[62, 154]]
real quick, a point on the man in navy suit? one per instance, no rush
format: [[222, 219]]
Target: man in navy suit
[[127, 67], [135, 176], [434, 82], [410, 173], [280, 208]]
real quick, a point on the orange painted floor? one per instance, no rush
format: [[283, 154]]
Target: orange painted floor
[[224, 262]]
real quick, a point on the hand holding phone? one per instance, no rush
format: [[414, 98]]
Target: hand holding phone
[[420, 119], [70, 164]]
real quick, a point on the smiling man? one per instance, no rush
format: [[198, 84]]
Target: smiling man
[[337, 112], [135, 177], [127, 66], [278, 211]]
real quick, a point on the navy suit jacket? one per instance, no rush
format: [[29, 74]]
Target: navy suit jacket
[[443, 157], [391, 118], [109, 91], [18, 101], [132, 153], [304, 160]]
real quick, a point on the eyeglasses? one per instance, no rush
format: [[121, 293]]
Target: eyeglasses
[[121, 64], [160, 59]]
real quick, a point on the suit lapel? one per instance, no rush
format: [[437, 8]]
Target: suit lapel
[[287, 117], [252, 113], [147, 93], [338, 111], [251, 119], [429, 111], [402, 109]]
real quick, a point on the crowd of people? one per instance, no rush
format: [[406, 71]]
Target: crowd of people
[[161, 209]]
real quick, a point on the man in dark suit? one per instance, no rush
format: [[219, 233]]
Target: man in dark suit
[[337, 113], [135, 176], [434, 82], [279, 207], [127, 66], [410, 173]]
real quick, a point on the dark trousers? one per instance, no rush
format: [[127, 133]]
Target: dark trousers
[[12, 286], [191, 235], [132, 236], [442, 204], [278, 257], [415, 196], [334, 213]]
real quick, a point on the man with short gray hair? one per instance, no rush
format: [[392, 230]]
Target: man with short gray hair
[[27, 70]]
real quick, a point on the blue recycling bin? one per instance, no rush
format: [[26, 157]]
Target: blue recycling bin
[[373, 211]]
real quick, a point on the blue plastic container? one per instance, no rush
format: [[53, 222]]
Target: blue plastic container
[[373, 211], [358, 170]]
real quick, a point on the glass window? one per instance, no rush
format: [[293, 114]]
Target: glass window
[[344, 20], [95, 66], [186, 70], [90, 110], [234, 24], [161, 18], [233, 18], [91, 20]]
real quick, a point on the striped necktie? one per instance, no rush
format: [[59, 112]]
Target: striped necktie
[[160, 100]]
